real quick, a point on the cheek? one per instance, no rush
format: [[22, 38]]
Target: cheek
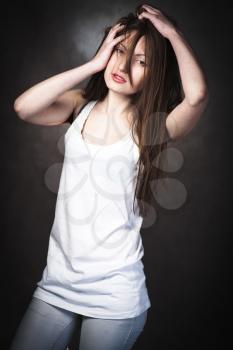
[[109, 67], [107, 72], [138, 74]]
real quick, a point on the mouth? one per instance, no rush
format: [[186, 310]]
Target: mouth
[[118, 78]]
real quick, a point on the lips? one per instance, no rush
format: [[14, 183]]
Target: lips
[[119, 78]]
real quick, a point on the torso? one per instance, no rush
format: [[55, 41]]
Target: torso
[[94, 261]]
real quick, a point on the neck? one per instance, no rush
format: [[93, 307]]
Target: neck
[[116, 106]]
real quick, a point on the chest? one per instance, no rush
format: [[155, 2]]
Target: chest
[[99, 128]]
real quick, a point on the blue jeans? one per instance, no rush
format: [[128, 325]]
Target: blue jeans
[[48, 327]]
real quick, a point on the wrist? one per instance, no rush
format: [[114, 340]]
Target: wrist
[[175, 34], [92, 65]]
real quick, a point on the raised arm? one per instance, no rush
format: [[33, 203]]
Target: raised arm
[[53, 101], [181, 120]]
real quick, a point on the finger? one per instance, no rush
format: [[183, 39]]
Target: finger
[[116, 28], [146, 15], [118, 25], [150, 8], [118, 38], [113, 31], [143, 14]]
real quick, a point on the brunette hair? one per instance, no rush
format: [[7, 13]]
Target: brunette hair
[[160, 94]]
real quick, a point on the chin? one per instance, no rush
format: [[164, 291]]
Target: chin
[[113, 86]]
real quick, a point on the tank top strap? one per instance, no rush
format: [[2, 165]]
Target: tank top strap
[[82, 116]]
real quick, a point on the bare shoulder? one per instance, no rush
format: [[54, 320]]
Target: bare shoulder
[[80, 101]]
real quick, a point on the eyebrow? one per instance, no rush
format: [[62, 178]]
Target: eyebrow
[[139, 54]]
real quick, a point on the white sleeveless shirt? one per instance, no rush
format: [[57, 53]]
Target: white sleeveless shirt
[[94, 265]]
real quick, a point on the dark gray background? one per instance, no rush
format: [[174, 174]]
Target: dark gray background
[[188, 250]]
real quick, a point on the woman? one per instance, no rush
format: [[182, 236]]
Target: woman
[[146, 89]]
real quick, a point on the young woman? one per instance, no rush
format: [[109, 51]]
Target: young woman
[[146, 89]]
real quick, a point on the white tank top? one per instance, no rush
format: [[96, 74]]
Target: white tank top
[[94, 265]]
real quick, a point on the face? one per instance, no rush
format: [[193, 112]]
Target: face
[[117, 65]]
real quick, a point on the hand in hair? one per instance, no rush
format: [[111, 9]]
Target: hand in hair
[[161, 21], [102, 57]]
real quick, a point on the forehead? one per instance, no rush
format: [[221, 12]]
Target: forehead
[[140, 46]]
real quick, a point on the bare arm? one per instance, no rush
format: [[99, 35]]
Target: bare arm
[[182, 119], [52, 101]]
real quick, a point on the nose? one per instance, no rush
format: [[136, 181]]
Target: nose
[[122, 65]]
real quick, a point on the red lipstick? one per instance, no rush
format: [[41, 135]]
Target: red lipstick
[[118, 78]]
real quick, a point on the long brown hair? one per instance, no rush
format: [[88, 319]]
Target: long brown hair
[[161, 92]]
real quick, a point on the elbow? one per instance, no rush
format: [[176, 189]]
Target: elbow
[[18, 109], [200, 98], [16, 106]]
